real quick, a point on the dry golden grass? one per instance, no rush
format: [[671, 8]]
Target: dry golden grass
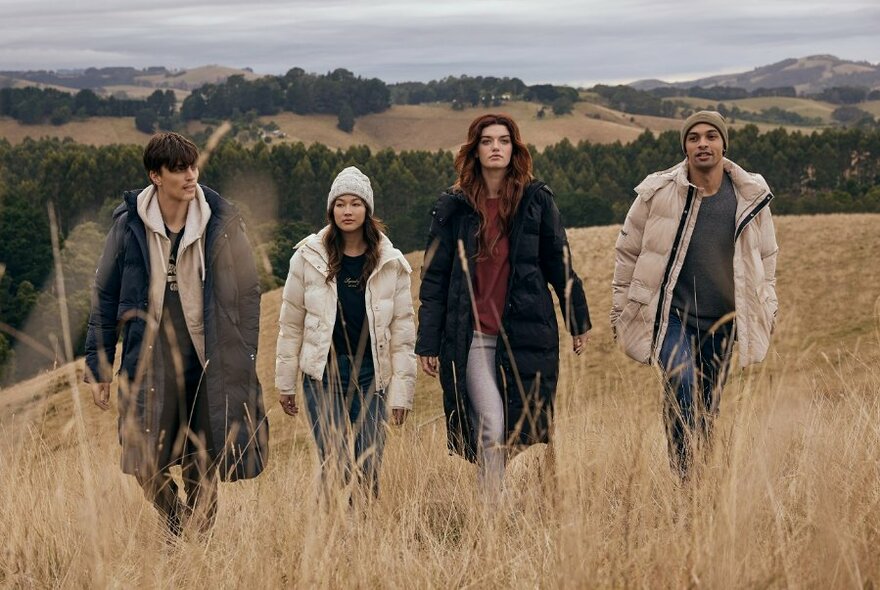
[[141, 92], [194, 77], [872, 106], [437, 126], [95, 131], [410, 127], [789, 497], [402, 127]]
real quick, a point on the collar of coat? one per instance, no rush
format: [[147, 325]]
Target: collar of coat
[[748, 186], [452, 201], [197, 216], [314, 252]]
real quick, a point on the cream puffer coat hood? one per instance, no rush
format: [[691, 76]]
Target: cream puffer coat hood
[[651, 248], [308, 314]]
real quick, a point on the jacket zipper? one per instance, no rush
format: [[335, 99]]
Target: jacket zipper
[[672, 256], [751, 215], [740, 228]]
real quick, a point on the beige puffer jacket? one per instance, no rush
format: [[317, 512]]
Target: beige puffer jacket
[[308, 314], [650, 252]]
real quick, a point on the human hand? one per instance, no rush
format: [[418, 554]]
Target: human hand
[[579, 343], [398, 416], [288, 404], [101, 395], [429, 365]]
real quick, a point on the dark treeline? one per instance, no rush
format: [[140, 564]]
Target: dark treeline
[[296, 91], [46, 105], [341, 90], [650, 102], [721, 92], [473, 91], [90, 77], [282, 191], [339, 93]]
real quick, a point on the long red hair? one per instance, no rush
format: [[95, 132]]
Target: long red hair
[[470, 180]]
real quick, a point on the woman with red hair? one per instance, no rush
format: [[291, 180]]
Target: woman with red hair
[[487, 324]]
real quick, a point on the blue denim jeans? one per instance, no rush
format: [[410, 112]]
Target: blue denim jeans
[[346, 411], [694, 367]]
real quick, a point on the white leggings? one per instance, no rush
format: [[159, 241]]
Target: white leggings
[[487, 411]]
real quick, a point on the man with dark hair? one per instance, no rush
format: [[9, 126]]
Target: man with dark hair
[[177, 277], [696, 270]]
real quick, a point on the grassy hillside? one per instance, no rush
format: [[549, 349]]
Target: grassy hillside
[[410, 127], [789, 497], [195, 77], [428, 126], [142, 92], [94, 131]]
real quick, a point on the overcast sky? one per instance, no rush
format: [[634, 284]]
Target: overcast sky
[[558, 41]]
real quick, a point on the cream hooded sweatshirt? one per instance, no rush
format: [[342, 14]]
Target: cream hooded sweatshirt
[[190, 262]]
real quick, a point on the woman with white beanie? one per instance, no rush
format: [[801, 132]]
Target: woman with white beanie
[[347, 326]]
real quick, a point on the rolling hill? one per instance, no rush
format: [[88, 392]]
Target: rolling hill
[[402, 127], [808, 75]]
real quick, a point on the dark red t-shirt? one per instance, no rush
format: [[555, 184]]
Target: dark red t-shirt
[[491, 275]]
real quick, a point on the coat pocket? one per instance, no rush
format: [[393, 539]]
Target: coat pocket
[[639, 293]]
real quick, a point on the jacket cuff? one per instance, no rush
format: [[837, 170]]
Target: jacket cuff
[[399, 395]]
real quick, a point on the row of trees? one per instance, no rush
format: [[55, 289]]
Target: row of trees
[[721, 92], [637, 102], [339, 93], [33, 106], [296, 91], [845, 95], [282, 191], [834, 94]]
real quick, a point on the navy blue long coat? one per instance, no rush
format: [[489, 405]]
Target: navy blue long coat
[[239, 432]]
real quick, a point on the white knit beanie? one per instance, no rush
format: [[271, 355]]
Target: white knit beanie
[[351, 181]]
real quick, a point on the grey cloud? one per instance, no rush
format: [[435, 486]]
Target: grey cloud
[[551, 41]]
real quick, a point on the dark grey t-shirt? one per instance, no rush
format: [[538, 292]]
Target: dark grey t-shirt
[[704, 291]]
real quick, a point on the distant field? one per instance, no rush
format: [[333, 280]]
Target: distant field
[[410, 127], [437, 126], [94, 131], [143, 91], [198, 76], [872, 106], [17, 83]]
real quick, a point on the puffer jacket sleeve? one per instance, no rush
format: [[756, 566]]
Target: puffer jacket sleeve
[[434, 290], [627, 251], [557, 266], [103, 331], [401, 389], [290, 328], [769, 250]]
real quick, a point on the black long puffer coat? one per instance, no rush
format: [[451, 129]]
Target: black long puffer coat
[[527, 357], [239, 432]]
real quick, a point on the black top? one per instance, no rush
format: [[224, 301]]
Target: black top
[[174, 334], [351, 333], [704, 291]]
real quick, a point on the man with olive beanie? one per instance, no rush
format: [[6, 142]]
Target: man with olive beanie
[[695, 271]]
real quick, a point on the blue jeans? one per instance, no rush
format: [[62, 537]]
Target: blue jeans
[[694, 368], [343, 410]]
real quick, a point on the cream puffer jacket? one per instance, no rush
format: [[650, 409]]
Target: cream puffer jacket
[[308, 314], [650, 252]]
